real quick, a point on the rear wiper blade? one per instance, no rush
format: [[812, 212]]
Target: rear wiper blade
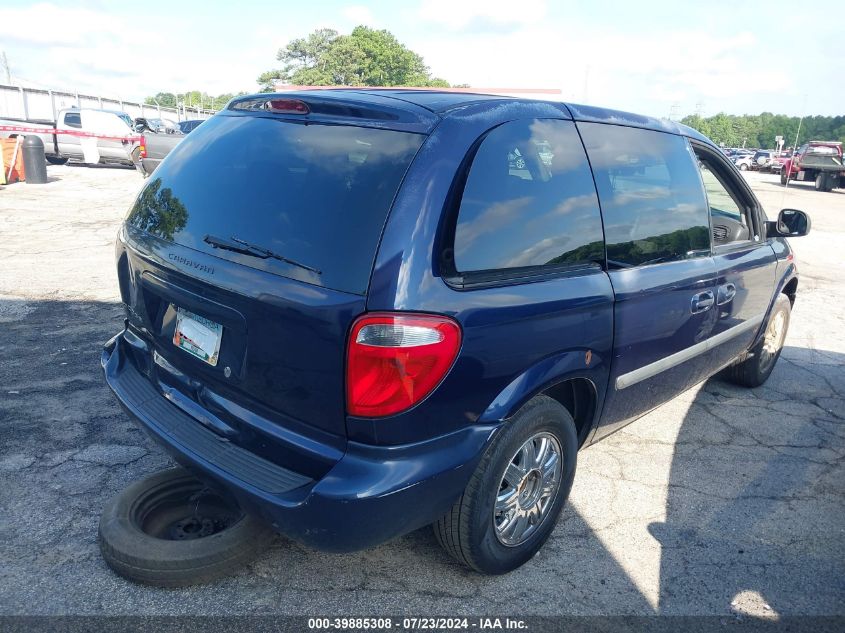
[[227, 245], [245, 248]]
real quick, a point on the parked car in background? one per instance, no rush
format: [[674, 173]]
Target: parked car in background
[[154, 145], [190, 125], [819, 162], [88, 135], [763, 160], [744, 162], [371, 323], [784, 158], [162, 126], [776, 163]]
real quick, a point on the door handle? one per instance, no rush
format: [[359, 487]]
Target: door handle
[[725, 294], [702, 302]]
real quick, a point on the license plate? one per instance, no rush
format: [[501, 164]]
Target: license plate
[[197, 336]]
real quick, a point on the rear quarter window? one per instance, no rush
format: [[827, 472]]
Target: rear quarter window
[[651, 196], [529, 201]]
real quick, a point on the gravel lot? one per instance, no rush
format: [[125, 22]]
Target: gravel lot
[[723, 501]]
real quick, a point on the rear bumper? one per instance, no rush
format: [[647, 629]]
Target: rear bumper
[[371, 495]]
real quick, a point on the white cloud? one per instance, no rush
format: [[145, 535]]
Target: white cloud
[[97, 48], [622, 69], [46, 23], [486, 14], [358, 15], [99, 53]]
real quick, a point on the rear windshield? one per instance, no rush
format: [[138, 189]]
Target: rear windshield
[[823, 150], [312, 194]]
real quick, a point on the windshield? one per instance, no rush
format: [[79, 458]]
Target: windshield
[[315, 194]]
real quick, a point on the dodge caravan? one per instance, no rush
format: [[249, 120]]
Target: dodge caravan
[[358, 314]]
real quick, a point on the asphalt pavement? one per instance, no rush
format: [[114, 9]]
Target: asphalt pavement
[[724, 501]]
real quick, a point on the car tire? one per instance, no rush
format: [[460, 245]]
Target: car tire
[[823, 182], [743, 167], [783, 178], [170, 530], [478, 531], [761, 360], [57, 160]]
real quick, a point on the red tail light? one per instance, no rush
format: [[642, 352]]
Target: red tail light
[[143, 148], [395, 360]]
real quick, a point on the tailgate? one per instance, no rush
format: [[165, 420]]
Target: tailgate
[[281, 348], [822, 158], [258, 236]]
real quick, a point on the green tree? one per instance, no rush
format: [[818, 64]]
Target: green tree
[[365, 57], [163, 99], [760, 130], [268, 80], [158, 211], [191, 98]]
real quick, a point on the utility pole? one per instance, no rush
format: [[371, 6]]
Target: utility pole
[[5, 63], [586, 94]]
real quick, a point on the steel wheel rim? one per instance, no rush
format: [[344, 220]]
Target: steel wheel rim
[[183, 509], [773, 339], [527, 489]]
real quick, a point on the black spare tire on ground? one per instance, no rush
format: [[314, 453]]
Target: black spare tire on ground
[[171, 530]]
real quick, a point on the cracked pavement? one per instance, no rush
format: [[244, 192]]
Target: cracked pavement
[[723, 501]]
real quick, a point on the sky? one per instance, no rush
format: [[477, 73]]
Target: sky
[[652, 57]]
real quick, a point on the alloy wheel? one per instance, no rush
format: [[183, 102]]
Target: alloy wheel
[[773, 339], [528, 489]]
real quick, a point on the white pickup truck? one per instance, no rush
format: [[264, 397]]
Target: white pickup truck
[[85, 134]]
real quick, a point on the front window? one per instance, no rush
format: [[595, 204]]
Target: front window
[[728, 216]]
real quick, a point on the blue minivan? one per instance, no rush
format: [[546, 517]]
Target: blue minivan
[[357, 314]]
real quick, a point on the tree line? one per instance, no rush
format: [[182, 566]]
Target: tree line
[[191, 99], [760, 130]]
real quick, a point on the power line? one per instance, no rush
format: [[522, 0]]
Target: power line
[[674, 111], [794, 147]]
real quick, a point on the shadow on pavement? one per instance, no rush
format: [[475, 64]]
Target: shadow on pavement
[[754, 512]]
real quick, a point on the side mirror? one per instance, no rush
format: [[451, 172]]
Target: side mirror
[[790, 223]]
